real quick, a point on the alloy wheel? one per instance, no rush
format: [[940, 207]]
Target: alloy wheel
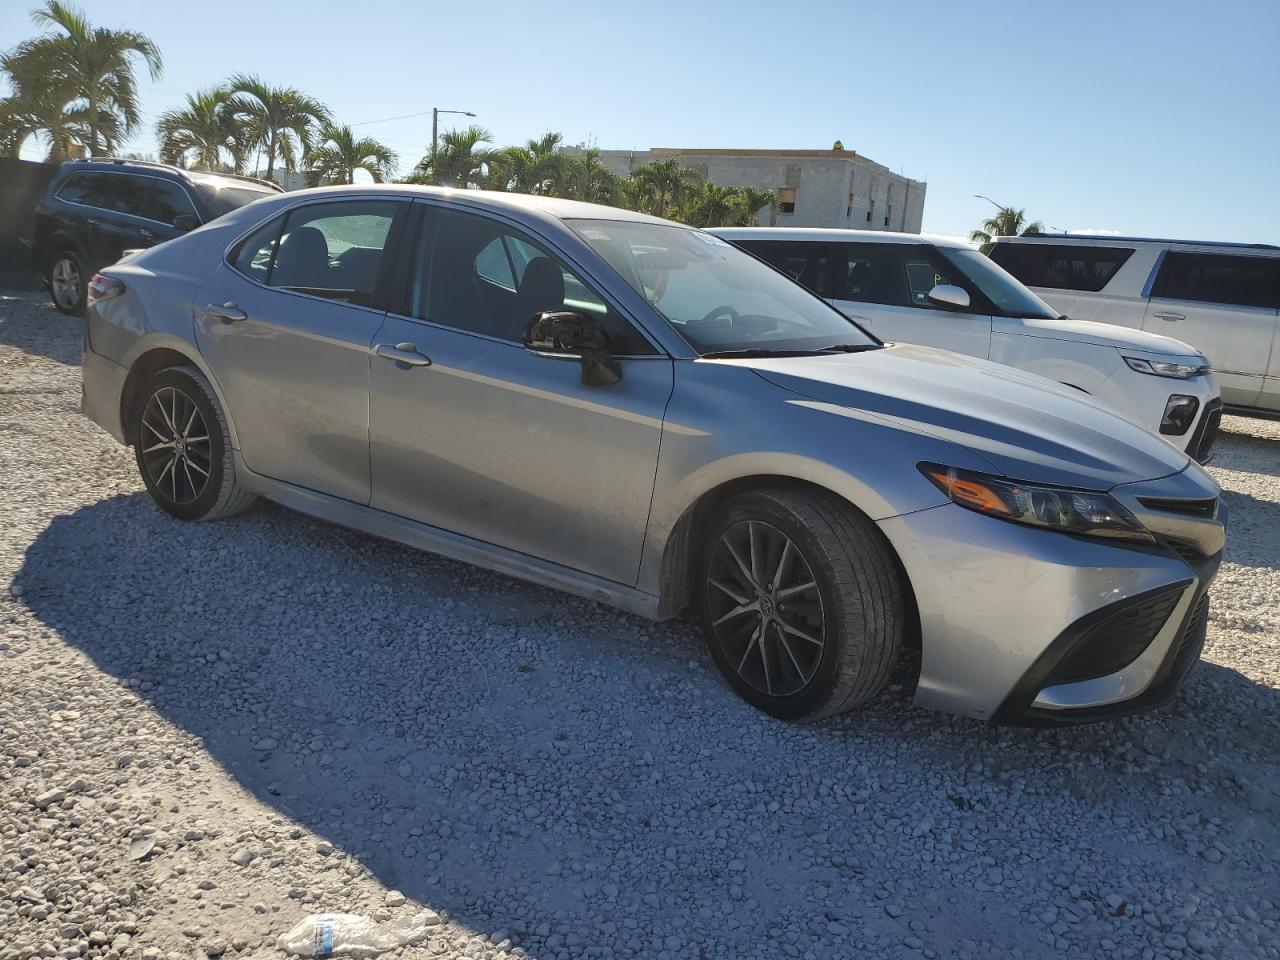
[[766, 608], [65, 281], [175, 446]]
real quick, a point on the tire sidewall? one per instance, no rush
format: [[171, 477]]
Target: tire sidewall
[[818, 690], [77, 309], [193, 388]]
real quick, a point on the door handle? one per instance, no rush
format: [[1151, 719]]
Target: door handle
[[1169, 316], [404, 354], [92, 222], [228, 312], [146, 234]]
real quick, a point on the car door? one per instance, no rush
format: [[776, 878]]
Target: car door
[[97, 216], [287, 323], [476, 435], [889, 284], [1224, 305]]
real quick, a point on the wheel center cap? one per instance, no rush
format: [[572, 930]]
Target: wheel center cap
[[766, 606]]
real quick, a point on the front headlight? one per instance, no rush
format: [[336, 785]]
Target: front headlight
[[1163, 368], [1085, 512]]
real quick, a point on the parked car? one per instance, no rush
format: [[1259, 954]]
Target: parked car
[[640, 413], [1224, 298], [946, 294], [95, 210]]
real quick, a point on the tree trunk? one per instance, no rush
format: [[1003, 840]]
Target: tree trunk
[[271, 157]]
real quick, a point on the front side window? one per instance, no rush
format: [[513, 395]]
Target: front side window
[[893, 274], [717, 297], [331, 250], [1061, 266], [165, 201], [1218, 278], [481, 276]]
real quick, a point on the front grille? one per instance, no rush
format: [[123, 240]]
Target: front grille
[[1114, 642], [1200, 507], [1187, 551], [1201, 445]]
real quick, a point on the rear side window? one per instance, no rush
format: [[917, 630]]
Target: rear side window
[[333, 250], [254, 257], [812, 264], [1218, 278], [1061, 266]]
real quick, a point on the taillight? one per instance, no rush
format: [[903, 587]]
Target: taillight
[[104, 288]]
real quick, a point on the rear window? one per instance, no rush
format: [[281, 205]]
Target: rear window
[[1061, 266], [1217, 278]]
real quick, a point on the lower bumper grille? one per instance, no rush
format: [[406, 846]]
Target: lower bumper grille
[[1201, 445], [1114, 642]]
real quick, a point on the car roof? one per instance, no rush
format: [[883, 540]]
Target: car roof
[[166, 171], [493, 199], [831, 234], [1090, 239]]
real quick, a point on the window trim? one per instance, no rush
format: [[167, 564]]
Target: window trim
[[120, 213], [383, 285], [398, 302]]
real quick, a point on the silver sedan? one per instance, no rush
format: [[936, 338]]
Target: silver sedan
[[637, 412]]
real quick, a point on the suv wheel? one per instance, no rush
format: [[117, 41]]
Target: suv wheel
[[67, 283], [182, 446], [802, 603]]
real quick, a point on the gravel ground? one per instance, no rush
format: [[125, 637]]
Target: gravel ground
[[209, 731]]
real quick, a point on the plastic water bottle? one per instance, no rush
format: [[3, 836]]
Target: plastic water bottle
[[350, 935]]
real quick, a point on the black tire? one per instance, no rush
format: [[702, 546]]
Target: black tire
[[858, 594], [67, 283], [201, 481]]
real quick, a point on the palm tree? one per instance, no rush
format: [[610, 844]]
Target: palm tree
[[339, 155], [711, 205], [92, 66], [278, 120], [537, 167], [459, 159], [750, 201], [206, 128], [663, 185], [49, 112], [586, 178], [1007, 223]]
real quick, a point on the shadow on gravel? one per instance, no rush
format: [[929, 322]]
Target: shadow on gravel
[[1254, 525], [31, 324], [478, 743]]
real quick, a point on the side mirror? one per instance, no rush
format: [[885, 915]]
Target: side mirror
[[572, 334], [949, 295], [185, 223]]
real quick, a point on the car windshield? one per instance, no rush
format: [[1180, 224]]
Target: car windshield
[[1010, 297], [223, 196], [720, 299]]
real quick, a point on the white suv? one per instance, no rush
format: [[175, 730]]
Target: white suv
[[902, 286], [1221, 297]]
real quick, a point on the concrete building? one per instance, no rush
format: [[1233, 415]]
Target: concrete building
[[813, 188]]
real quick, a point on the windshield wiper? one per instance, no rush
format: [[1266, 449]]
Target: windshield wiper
[[755, 352], [850, 347]]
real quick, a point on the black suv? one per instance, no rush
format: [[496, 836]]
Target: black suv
[[97, 209]]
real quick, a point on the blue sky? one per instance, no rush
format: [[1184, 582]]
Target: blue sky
[[1139, 116]]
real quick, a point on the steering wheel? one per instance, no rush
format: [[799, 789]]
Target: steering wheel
[[724, 310]]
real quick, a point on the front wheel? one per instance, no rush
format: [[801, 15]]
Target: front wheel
[[802, 603], [183, 447]]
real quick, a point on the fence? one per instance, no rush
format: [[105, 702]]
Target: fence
[[22, 185]]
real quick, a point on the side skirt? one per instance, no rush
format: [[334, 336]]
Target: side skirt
[[452, 545]]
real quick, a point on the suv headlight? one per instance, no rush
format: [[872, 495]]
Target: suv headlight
[[1084, 512], [1163, 368]]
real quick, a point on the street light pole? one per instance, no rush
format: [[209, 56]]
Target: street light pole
[[980, 196], [435, 124]]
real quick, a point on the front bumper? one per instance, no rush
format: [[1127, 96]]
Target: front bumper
[[1004, 609]]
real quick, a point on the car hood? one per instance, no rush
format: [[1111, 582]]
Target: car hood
[[1027, 427], [1098, 334]]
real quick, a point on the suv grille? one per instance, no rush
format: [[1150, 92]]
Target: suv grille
[[1116, 641]]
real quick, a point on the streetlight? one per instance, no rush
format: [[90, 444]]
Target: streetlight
[[980, 196], [435, 122]]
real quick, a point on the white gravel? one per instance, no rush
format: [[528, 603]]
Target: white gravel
[[209, 731]]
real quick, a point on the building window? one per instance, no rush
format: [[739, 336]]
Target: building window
[[848, 210], [786, 199], [871, 210]]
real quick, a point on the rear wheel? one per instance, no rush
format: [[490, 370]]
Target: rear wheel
[[802, 603], [67, 283], [183, 447]]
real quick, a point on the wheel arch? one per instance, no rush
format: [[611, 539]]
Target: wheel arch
[[163, 356], [682, 551]]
